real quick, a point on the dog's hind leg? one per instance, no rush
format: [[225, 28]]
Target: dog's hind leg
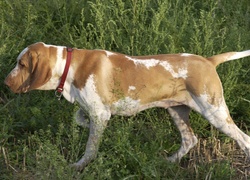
[[218, 115], [180, 115]]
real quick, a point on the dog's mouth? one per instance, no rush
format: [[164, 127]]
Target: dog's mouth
[[19, 90], [23, 89], [15, 86]]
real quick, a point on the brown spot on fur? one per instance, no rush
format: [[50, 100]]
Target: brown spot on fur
[[126, 73], [229, 120], [88, 62]]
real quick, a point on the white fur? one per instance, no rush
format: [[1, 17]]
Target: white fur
[[22, 53], [108, 53], [186, 54], [16, 70], [131, 88], [181, 73], [215, 112], [239, 55], [147, 62], [91, 101], [126, 106]]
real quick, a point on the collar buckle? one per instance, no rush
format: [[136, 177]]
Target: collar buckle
[[58, 93]]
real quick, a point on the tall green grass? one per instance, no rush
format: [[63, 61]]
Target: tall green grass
[[38, 135]]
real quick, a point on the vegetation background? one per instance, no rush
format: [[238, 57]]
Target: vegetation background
[[38, 135]]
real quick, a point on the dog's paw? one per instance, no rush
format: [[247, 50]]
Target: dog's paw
[[173, 159], [77, 167]]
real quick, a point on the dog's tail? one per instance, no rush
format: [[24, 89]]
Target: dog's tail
[[221, 58]]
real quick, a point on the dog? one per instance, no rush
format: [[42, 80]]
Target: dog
[[105, 83]]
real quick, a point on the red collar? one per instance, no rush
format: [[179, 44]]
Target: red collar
[[59, 88]]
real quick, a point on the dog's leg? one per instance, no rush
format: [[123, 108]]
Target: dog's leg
[[81, 118], [96, 129], [180, 115], [218, 116]]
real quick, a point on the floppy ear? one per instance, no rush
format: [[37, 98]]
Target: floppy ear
[[40, 71]]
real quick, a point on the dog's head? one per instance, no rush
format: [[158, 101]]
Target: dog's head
[[33, 69]]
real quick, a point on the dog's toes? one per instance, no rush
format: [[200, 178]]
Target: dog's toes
[[173, 159], [77, 167]]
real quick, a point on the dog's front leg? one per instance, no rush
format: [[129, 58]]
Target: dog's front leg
[[96, 129]]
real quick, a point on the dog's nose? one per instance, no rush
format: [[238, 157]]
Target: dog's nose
[[11, 84]]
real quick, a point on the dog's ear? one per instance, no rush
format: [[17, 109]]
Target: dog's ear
[[40, 71], [29, 61]]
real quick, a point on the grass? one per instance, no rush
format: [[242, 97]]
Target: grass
[[38, 134]]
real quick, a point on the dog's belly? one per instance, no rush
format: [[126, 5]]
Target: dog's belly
[[128, 106]]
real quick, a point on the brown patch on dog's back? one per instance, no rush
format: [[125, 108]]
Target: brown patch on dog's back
[[88, 63], [127, 73]]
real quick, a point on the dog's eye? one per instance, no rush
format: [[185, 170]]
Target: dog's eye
[[21, 64]]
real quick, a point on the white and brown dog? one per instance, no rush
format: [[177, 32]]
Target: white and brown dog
[[106, 83]]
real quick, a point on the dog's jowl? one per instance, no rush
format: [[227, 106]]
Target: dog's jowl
[[106, 83]]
